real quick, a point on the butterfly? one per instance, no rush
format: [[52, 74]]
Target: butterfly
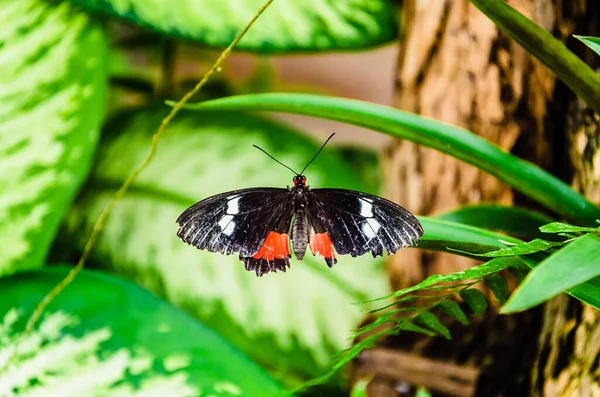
[[258, 224]]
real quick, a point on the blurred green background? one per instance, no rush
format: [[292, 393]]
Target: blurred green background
[[81, 93], [83, 88]]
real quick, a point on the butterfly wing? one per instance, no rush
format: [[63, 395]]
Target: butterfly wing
[[356, 223], [252, 222]]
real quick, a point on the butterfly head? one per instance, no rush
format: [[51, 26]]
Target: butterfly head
[[299, 180]]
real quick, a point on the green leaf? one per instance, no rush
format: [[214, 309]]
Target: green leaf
[[431, 321], [497, 284], [592, 42], [422, 392], [520, 272], [515, 221], [360, 388], [529, 247], [475, 299], [548, 50], [465, 240], [491, 267], [446, 236], [53, 87], [285, 26], [306, 313], [572, 265], [588, 292], [105, 336], [453, 309], [411, 327], [457, 142], [558, 227]]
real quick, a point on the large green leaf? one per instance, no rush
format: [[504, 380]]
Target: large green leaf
[[447, 236], [107, 337], [291, 322], [314, 25], [522, 175], [518, 222], [579, 261], [548, 50], [52, 88]]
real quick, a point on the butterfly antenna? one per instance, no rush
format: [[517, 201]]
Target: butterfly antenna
[[315, 156], [262, 150]]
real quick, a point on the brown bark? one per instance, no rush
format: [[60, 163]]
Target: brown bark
[[456, 67], [569, 343], [568, 355]]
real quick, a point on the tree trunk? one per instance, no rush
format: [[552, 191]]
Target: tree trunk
[[569, 344], [456, 67]]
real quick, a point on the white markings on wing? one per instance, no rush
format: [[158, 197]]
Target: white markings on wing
[[227, 225], [228, 231], [233, 207], [366, 208], [225, 221], [370, 228]]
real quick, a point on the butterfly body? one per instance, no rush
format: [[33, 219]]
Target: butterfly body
[[257, 224]]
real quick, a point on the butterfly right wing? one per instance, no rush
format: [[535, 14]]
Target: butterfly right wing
[[241, 221], [356, 223]]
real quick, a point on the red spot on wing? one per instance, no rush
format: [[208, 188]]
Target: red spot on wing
[[276, 246], [320, 244]]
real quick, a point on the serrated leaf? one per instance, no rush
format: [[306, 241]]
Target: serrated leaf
[[577, 262], [592, 42], [306, 312], [285, 26], [558, 227], [412, 327], [530, 247], [432, 322], [104, 336], [490, 267], [475, 299], [453, 309], [53, 83], [497, 284]]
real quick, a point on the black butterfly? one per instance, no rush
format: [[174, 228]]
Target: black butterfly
[[256, 223]]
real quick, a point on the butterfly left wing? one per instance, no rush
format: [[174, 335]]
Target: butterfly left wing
[[252, 222], [356, 223]]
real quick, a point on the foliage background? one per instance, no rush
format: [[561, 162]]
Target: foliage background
[[82, 91], [81, 96]]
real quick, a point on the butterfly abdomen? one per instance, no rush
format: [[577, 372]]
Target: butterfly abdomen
[[300, 234]]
